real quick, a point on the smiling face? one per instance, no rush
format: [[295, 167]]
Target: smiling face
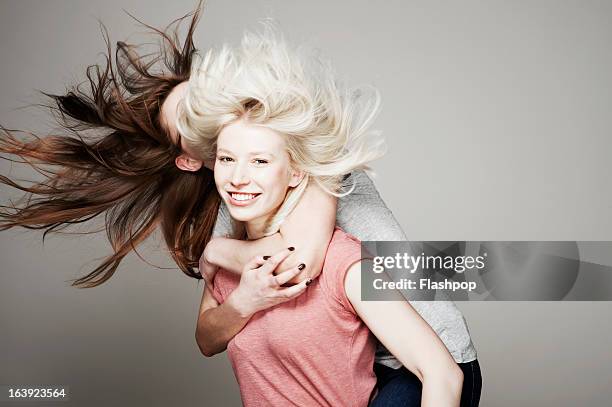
[[253, 173]]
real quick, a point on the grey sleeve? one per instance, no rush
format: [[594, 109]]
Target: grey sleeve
[[363, 213], [223, 224]]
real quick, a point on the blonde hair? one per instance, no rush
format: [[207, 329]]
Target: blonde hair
[[292, 91]]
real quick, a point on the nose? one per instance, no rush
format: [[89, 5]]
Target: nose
[[239, 176]]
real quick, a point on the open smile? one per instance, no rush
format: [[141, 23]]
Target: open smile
[[242, 198]]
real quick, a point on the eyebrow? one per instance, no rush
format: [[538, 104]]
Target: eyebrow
[[222, 150]]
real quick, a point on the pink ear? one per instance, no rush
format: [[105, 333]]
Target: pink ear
[[186, 163], [296, 178]]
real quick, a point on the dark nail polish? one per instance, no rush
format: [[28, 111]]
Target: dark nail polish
[[291, 248], [266, 257], [308, 282], [302, 266]]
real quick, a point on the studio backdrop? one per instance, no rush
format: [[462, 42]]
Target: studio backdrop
[[497, 120]]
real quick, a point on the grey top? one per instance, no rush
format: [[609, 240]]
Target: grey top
[[363, 214]]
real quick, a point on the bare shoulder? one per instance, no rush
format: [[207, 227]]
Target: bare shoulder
[[352, 281]]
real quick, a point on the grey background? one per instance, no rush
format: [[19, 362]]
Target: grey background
[[497, 116]]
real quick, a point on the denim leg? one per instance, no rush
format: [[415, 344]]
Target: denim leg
[[396, 388], [401, 388]]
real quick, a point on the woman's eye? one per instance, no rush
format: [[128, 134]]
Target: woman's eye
[[260, 161], [224, 159]]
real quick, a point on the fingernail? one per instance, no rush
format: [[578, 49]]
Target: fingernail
[[308, 282], [291, 248], [266, 257], [302, 266]]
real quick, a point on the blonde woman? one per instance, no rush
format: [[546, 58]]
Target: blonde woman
[[275, 123]]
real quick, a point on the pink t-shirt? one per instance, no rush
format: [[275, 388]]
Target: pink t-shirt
[[310, 351]]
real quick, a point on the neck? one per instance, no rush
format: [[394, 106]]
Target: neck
[[255, 228]]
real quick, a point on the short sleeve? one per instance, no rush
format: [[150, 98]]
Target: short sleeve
[[364, 214], [343, 251]]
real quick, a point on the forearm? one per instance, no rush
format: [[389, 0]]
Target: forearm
[[309, 228], [216, 326], [232, 254], [442, 389]]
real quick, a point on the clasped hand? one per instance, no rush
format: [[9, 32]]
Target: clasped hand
[[260, 286]]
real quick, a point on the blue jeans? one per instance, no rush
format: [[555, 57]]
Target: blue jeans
[[401, 388]]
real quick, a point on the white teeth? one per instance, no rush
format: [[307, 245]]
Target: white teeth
[[242, 197]]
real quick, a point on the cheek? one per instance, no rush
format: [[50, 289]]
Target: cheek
[[281, 174], [277, 181], [221, 175]]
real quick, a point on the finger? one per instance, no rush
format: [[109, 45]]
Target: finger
[[295, 290], [276, 259], [287, 275], [255, 263]]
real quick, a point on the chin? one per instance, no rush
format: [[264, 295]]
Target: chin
[[241, 214], [240, 217]]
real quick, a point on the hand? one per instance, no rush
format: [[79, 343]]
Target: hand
[[260, 289]]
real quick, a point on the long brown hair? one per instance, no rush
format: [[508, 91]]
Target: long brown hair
[[115, 158]]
